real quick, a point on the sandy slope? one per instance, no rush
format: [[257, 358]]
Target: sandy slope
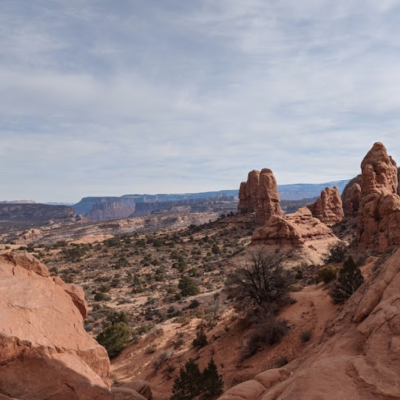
[[312, 311]]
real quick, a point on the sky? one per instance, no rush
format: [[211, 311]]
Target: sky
[[101, 97]]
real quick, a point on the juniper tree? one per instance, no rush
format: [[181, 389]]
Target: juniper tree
[[259, 283], [348, 281], [212, 381], [188, 384]]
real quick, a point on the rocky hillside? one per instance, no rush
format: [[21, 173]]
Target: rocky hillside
[[356, 358]]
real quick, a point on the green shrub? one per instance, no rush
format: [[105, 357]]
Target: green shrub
[[326, 274], [269, 332], [281, 361], [114, 338], [305, 336], [194, 304], [201, 339], [73, 254], [150, 349], [160, 359], [348, 281], [337, 252], [100, 297], [188, 287]]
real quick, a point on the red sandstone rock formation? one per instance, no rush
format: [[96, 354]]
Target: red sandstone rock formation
[[328, 208], [268, 204], [249, 193], [260, 194], [351, 197], [292, 229], [44, 350], [379, 212]]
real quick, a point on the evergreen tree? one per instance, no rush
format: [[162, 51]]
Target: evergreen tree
[[188, 286], [114, 338], [191, 382], [348, 281], [212, 382], [188, 384]]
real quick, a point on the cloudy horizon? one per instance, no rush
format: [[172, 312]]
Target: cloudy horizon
[[99, 98]]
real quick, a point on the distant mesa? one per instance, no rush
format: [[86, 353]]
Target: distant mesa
[[111, 208], [18, 202]]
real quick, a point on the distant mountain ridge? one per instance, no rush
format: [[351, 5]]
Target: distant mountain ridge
[[112, 207], [87, 203], [297, 191], [300, 191]]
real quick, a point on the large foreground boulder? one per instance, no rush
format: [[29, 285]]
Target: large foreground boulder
[[45, 353]]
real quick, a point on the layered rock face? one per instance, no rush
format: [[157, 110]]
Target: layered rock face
[[249, 193], [260, 195], [45, 353], [111, 210], [357, 358], [351, 197], [379, 211], [293, 229], [328, 208]]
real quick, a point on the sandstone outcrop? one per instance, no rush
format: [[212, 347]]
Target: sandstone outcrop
[[256, 387], [45, 353], [358, 356], [249, 193], [268, 203], [260, 195], [379, 211], [351, 197], [292, 229], [328, 208]]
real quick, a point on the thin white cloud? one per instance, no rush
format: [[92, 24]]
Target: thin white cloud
[[169, 96]]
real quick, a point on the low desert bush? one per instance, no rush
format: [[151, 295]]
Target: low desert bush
[[269, 332], [348, 281], [281, 361], [326, 274], [305, 336]]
